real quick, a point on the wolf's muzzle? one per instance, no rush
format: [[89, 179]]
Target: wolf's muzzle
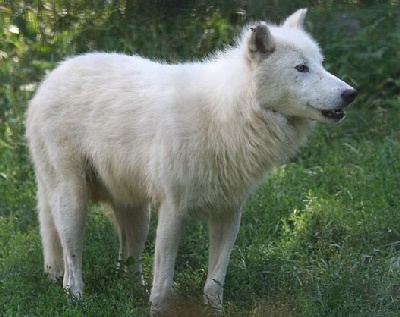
[[349, 95]]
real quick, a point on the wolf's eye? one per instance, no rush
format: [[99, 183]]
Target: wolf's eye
[[302, 68]]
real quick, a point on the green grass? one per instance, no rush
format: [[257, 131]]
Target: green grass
[[320, 237]]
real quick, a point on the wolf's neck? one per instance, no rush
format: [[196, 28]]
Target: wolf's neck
[[302, 126], [253, 146]]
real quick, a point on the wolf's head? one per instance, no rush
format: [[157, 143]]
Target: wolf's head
[[289, 72]]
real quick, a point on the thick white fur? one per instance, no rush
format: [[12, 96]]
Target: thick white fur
[[194, 137]]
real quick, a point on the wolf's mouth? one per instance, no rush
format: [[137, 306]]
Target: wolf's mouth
[[335, 114]]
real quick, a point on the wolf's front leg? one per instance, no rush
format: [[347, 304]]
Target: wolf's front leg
[[169, 231], [223, 230]]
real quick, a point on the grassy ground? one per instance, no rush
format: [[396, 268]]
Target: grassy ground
[[320, 237]]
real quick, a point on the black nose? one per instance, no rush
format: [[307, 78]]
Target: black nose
[[349, 94]]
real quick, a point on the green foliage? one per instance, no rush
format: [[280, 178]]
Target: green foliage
[[364, 50], [321, 236]]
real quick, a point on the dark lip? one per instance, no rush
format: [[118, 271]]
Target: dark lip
[[334, 114]]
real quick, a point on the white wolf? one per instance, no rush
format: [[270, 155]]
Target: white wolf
[[190, 138]]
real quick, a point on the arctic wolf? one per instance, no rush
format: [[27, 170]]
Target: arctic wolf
[[190, 138]]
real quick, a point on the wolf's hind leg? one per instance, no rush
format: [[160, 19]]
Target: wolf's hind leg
[[132, 224], [52, 250], [69, 211]]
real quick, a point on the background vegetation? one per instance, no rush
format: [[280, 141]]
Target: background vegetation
[[321, 236]]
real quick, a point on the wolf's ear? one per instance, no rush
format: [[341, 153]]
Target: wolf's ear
[[296, 20], [260, 42]]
